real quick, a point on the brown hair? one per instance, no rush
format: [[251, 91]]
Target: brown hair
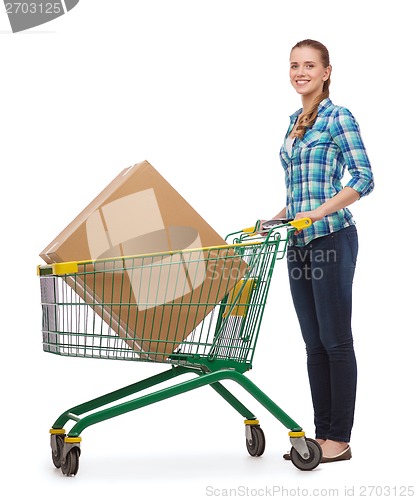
[[307, 117]]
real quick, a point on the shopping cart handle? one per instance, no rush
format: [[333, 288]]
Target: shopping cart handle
[[298, 224]]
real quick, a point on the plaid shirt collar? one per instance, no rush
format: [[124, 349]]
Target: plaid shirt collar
[[324, 107]]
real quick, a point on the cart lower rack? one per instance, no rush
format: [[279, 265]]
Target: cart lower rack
[[198, 311]]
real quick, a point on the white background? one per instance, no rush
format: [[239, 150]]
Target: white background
[[200, 89]]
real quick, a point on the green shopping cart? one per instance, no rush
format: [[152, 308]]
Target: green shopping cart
[[197, 310]]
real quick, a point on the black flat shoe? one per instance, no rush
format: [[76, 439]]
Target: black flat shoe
[[344, 455]]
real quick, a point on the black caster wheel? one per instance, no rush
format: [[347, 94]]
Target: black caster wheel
[[71, 465], [315, 456], [57, 449], [258, 442]]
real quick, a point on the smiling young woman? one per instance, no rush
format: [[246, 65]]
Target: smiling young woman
[[321, 142]]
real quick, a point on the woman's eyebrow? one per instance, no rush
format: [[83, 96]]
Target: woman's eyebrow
[[305, 62]]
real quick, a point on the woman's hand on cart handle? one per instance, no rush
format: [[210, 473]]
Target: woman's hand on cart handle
[[260, 230], [301, 223], [263, 226], [311, 215]]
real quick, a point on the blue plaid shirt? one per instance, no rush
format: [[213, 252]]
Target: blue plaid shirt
[[316, 166]]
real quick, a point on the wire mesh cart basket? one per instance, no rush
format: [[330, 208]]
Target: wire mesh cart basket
[[198, 310]]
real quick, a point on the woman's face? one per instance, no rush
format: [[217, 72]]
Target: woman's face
[[307, 73]]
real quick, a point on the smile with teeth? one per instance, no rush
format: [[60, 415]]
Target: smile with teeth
[[302, 82]]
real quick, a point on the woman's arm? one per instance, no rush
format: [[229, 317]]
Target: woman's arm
[[343, 199], [346, 135], [281, 214]]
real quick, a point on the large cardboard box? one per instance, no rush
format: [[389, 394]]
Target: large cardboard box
[[154, 301]]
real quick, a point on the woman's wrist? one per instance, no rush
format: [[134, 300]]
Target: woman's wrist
[[320, 212]]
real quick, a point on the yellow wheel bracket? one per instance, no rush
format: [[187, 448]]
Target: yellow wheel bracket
[[72, 439], [298, 434], [56, 431], [251, 422], [301, 223]]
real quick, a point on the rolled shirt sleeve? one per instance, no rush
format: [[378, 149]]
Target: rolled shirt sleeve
[[346, 134]]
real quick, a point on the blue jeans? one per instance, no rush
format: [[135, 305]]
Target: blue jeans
[[321, 275]]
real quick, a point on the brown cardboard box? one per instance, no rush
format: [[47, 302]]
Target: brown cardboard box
[[154, 306]]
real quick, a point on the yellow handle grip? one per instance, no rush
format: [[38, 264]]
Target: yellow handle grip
[[249, 229], [300, 224]]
